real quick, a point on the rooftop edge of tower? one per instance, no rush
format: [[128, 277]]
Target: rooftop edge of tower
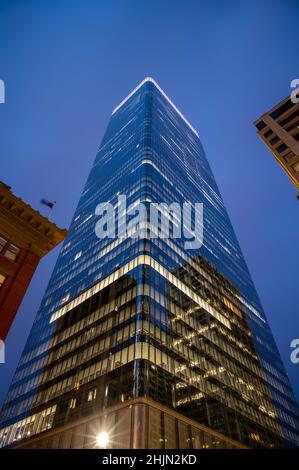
[[152, 80]]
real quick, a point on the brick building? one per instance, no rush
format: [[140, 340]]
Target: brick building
[[25, 237]]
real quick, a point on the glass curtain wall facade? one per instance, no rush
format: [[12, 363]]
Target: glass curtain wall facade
[[143, 317]]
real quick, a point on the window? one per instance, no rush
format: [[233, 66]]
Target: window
[[73, 403], [289, 157], [65, 299], [282, 109], [12, 252], [274, 140], [8, 250], [281, 148], [268, 133], [260, 125], [296, 167], [289, 118], [3, 242], [92, 395], [2, 280]]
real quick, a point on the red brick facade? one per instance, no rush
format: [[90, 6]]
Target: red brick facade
[[19, 274], [25, 237]]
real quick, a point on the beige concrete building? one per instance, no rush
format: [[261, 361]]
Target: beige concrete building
[[279, 129]]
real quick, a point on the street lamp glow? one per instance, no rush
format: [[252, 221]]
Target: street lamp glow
[[102, 439]]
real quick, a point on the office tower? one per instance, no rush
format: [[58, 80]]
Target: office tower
[[145, 341], [279, 129], [25, 236]]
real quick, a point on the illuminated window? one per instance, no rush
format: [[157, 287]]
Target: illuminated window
[[2, 279], [77, 256], [92, 395], [65, 299], [73, 403]]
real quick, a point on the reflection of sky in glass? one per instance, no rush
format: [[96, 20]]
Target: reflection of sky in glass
[[223, 64]]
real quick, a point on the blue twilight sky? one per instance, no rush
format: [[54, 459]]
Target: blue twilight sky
[[66, 64]]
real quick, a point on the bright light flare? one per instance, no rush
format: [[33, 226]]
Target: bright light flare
[[102, 439]]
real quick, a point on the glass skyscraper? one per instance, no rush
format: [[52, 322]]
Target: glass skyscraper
[[154, 343]]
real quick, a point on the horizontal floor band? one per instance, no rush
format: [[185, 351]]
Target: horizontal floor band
[[138, 261]]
